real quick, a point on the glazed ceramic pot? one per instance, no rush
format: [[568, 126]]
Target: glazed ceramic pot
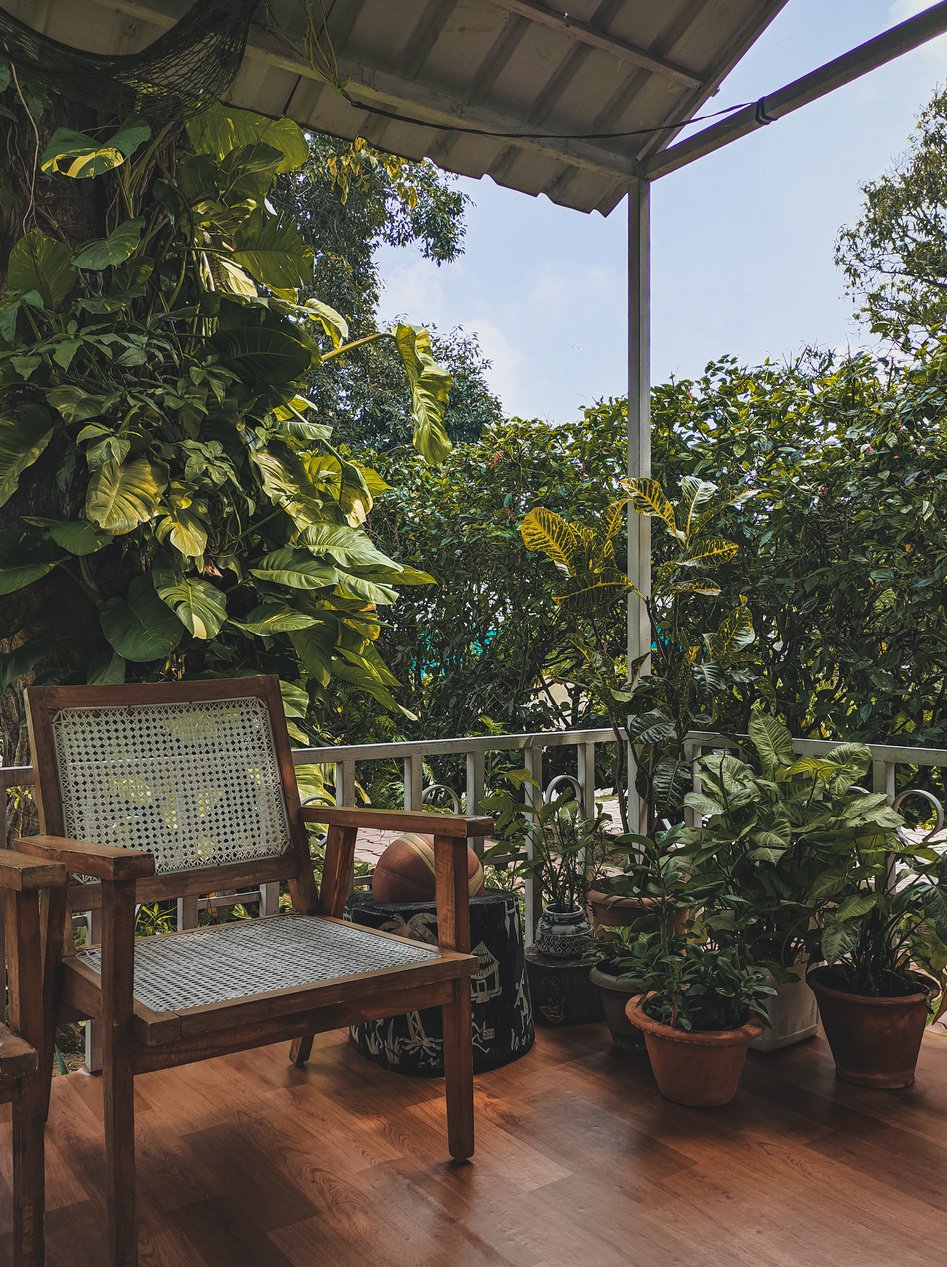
[[698, 1069], [563, 934], [793, 1013], [615, 993], [874, 1041]]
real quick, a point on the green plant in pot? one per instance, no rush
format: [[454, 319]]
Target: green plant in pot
[[698, 997], [773, 825], [563, 849], [656, 880], [701, 1004], [884, 940]]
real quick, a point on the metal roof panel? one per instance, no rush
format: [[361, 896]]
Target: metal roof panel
[[496, 66]]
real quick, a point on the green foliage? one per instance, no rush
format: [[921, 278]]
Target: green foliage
[[895, 255], [774, 830], [698, 988], [566, 852], [153, 380], [476, 645], [697, 655], [349, 201], [843, 558]]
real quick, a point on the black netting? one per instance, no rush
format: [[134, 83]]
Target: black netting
[[179, 74]]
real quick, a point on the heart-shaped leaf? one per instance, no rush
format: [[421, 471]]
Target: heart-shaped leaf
[[140, 626], [24, 434], [122, 496], [43, 264], [115, 249]]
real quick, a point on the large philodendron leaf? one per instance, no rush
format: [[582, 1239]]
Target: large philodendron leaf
[[268, 355], [140, 626], [24, 434], [350, 547], [271, 249], [41, 264], [220, 129], [430, 389], [296, 569], [115, 249], [121, 496], [199, 606], [79, 156], [275, 618], [25, 558]]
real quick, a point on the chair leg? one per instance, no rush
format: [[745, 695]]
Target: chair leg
[[119, 1100], [458, 1069], [301, 1049], [29, 1179]]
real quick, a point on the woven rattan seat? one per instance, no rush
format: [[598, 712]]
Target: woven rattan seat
[[226, 962]]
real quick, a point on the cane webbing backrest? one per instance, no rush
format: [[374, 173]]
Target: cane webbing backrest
[[196, 783]]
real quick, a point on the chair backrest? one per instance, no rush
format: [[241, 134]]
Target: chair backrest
[[197, 773]]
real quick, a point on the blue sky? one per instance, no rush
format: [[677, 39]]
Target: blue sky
[[742, 239]]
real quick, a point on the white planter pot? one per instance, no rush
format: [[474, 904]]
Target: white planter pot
[[794, 1013]]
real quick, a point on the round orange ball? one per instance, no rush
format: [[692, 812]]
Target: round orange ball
[[405, 871]]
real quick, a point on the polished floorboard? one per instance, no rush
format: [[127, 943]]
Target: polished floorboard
[[246, 1161]]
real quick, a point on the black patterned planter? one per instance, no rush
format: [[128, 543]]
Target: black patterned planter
[[502, 1014]]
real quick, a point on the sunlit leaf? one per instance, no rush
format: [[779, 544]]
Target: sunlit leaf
[[24, 433]]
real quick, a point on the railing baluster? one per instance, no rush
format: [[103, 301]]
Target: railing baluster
[[585, 771], [691, 817], [413, 781], [476, 790], [533, 764], [345, 782]]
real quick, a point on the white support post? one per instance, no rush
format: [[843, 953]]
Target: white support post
[[639, 436]]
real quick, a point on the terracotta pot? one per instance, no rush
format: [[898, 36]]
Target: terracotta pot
[[609, 910], [702, 1070], [875, 1041]]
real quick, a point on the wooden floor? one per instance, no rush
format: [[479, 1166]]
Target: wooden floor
[[248, 1162]]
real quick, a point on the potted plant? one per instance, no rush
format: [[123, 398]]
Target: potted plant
[[883, 912], [700, 1006], [566, 853], [656, 883], [774, 827]]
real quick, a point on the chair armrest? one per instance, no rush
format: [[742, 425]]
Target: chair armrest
[[23, 874], [455, 825], [17, 1058], [104, 862], [450, 832]]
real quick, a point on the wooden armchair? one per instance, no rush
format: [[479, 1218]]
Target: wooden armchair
[[33, 894], [157, 791]]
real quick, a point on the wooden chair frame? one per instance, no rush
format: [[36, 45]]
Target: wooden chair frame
[[137, 1040], [34, 895]]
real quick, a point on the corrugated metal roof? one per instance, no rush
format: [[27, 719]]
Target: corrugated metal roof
[[500, 66]]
